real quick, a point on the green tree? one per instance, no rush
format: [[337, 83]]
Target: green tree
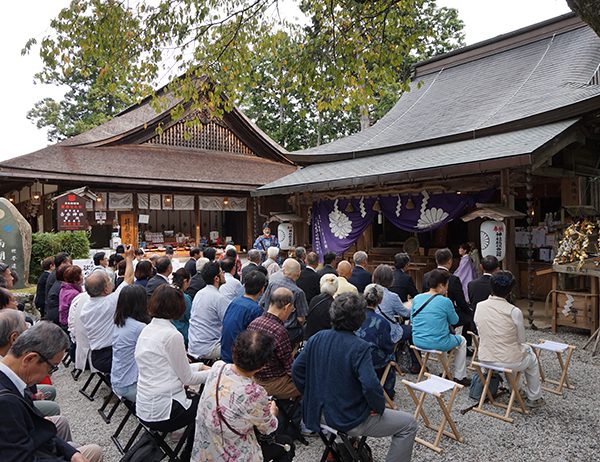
[[304, 84], [99, 52]]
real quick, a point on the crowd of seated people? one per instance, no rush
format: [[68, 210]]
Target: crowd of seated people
[[210, 357]]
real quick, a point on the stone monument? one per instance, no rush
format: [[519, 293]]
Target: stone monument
[[15, 241]]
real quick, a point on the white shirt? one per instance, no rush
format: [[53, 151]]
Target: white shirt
[[206, 321], [232, 287], [97, 318], [76, 331], [14, 378], [163, 371]]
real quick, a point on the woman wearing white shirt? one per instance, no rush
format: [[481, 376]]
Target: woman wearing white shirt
[[164, 370]]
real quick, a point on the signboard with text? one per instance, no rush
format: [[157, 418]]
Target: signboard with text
[[71, 213]]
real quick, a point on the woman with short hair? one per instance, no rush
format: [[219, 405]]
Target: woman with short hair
[[131, 316], [143, 272], [431, 317], [233, 405], [164, 370]]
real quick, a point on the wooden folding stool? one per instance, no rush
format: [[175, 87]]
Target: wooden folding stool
[[559, 349], [443, 357], [391, 365], [435, 386], [513, 378], [475, 345]]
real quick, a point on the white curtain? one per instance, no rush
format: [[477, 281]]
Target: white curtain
[[143, 202], [155, 202], [120, 201], [235, 204], [183, 202]]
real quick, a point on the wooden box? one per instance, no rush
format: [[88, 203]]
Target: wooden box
[[583, 313]]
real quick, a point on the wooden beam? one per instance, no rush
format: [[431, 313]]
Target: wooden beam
[[552, 148]]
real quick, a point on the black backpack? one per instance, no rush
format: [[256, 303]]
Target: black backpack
[[144, 450]]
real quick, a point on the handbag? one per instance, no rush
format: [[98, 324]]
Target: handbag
[[265, 441]]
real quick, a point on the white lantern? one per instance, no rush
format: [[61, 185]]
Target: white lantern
[[285, 234], [493, 239]]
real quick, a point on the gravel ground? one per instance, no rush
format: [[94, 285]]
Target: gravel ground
[[565, 429]]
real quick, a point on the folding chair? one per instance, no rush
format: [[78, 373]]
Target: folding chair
[[443, 357], [130, 406], [559, 349], [436, 387], [475, 345], [513, 378], [112, 396], [396, 370], [84, 390], [288, 408], [330, 447]]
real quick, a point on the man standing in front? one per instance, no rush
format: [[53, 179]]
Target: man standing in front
[[190, 265], [289, 275], [252, 265], [208, 310], [480, 289], [502, 336], [265, 241], [164, 268], [335, 374]]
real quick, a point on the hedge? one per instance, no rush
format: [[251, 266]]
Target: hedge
[[76, 244]]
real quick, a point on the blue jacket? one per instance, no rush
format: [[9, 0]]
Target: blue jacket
[[25, 430], [360, 278], [431, 327], [335, 374], [240, 313]]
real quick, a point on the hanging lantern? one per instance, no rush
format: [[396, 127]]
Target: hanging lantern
[[376, 206], [36, 194], [379, 218], [12, 198], [409, 203], [225, 201]]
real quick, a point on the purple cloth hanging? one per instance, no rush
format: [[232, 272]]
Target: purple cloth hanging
[[335, 228], [466, 273]]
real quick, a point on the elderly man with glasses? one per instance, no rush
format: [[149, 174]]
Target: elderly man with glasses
[[36, 353]]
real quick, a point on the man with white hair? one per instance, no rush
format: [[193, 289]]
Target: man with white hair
[[271, 262], [289, 275], [360, 278], [318, 311]]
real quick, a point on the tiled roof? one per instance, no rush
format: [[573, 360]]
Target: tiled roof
[[147, 165], [503, 87], [398, 166]]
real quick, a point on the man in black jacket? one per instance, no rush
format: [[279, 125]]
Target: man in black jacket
[[61, 260], [443, 258], [309, 279], [253, 264], [360, 278], [328, 264], [35, 354], [480, 289], [190, 265], [403, 284], [164, 268]]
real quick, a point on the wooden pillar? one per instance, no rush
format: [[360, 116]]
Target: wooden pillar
[[197, 218], [508, 200]]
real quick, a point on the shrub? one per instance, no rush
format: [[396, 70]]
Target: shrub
[[76, 244]]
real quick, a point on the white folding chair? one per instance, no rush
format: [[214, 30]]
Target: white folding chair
[[559, 349], [424, 356]]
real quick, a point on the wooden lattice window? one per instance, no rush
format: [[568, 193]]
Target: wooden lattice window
[[212, 135]]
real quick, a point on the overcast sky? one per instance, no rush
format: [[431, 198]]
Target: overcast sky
[[31, 18]]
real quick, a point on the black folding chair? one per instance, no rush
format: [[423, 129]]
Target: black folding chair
[[332, 448]]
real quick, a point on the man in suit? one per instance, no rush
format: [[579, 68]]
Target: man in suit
[[197, 281], [403, 284], [190, 265], [443, 258], [480, 289], [360, 278], [300, 253], [164, 268], [36, 353], [309, 279], [328, 264], [253, 264]]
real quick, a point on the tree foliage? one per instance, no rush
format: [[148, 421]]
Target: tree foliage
[[305, 82], [589, 11]]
